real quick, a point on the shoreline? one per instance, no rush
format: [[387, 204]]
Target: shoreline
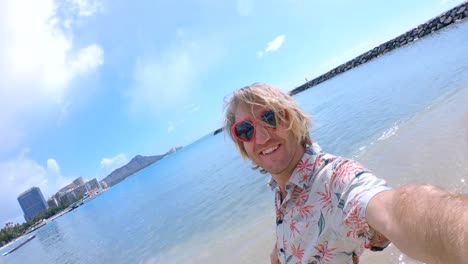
[[52, 218], [12, 242]]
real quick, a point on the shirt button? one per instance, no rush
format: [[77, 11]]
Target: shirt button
[[288, 187], [281, 250]]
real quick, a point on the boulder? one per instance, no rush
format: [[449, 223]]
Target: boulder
[[461, 10], [448, 20]]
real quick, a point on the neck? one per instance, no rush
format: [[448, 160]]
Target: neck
[[283, 177]]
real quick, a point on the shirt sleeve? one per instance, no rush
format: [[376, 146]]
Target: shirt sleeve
[[355, 186]]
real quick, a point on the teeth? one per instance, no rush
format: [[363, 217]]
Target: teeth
[[270, 150]]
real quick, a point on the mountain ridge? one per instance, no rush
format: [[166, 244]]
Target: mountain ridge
[[136, 164]]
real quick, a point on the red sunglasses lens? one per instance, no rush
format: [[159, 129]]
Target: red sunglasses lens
[[244, 130], [268, 117]]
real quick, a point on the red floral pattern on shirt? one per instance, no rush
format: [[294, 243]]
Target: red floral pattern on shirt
[[325, 254], [322, 217], [326, 199]]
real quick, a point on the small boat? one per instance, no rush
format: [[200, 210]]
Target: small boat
[[20, 245]]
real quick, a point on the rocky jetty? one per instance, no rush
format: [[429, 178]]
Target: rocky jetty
[[217, 131], [453, 15], [138, 163]]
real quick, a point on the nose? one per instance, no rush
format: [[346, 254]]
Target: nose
[[262, 135]]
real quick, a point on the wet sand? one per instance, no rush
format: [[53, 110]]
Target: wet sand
[[430, 148]]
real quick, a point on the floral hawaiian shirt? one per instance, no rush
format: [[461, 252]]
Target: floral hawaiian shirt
[[322, 218]]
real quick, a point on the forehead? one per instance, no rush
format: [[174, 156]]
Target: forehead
[[244, 111]]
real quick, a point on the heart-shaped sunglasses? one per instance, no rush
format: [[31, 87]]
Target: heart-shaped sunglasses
[[244, 130]]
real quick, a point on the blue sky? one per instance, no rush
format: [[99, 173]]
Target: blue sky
[[86, 85]]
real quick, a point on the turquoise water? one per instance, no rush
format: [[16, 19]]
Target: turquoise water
[[205, 205]]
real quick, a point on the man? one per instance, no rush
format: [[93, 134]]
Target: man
[[329, 209]]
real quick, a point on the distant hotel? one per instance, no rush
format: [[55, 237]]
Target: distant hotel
[[74, 191], [32, 202]]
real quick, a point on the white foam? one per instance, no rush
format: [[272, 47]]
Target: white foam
[[390, 132]]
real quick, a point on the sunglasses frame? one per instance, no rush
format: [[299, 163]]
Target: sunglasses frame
[[254, 125]]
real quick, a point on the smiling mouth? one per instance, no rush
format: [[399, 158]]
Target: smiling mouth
[[270, 150]]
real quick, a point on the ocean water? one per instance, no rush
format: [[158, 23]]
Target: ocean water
[[402, 115]]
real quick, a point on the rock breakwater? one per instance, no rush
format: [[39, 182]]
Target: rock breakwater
[[453, 15]]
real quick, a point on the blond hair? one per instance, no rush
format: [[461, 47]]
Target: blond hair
[[267, 96]]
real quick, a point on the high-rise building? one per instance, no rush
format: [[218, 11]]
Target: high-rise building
[[93, 184], [32, 202], [77, 182], [67, 197], [103, 184], [53, 202], [80, 191]]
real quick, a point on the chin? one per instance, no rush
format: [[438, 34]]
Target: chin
[[273, 170]]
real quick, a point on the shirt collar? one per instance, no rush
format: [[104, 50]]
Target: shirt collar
[[308, 157]]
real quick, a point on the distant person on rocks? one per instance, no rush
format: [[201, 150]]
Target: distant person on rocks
[[328, 208]]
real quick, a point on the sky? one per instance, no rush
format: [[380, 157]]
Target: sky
[[86, 85]]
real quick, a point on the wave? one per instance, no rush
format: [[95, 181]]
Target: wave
[[389, 133]]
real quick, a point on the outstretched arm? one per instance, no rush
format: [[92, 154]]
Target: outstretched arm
[[425, 222]]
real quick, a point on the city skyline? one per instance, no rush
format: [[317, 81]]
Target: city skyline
[[73, 191]]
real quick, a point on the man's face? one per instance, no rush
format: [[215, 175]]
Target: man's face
[[276, 149]]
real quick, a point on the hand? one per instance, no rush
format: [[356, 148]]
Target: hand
[[274, 256]]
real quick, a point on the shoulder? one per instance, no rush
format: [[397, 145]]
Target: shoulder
[[378, 213], [378, 210]]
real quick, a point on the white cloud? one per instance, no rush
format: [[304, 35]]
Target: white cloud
[[86, 7], [38, 63], [21, 173], [273, 45], [53, 166], [87, 60], [110, 164]]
